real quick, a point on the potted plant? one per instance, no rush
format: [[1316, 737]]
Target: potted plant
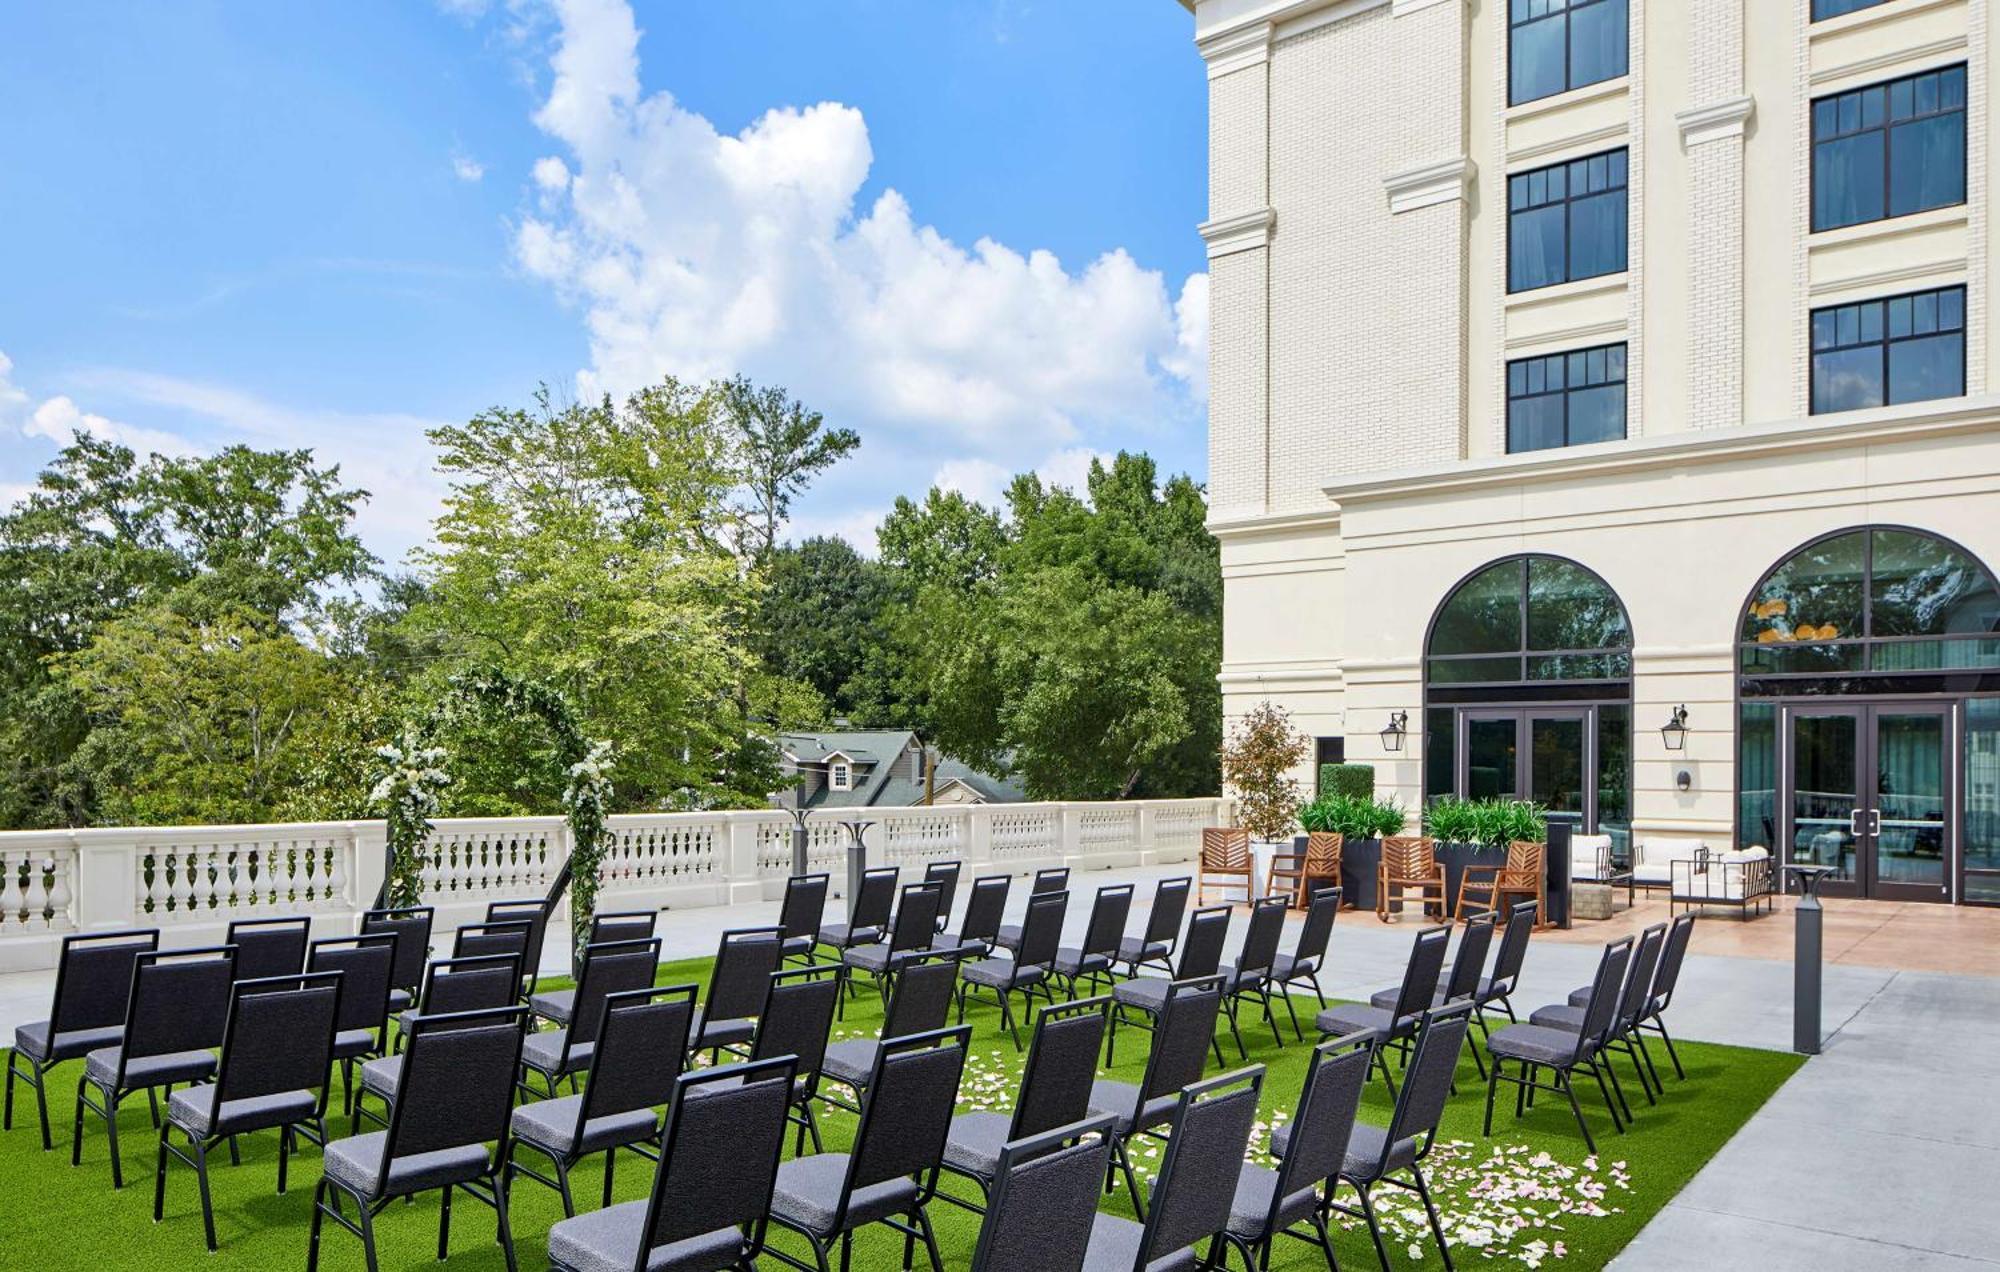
[[1362, 821], [1263, 751], [1476, 832]]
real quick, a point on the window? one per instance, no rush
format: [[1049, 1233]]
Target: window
[[1566, 399], [1566, 221], [840, 777], [1530, 619], [1824, 9], [1889, 149], [1897, 349], [1556, 45]]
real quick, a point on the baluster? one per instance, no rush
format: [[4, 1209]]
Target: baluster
[[11, 910], [334, 868]]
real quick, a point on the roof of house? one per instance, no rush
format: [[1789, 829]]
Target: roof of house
[[879, 786]]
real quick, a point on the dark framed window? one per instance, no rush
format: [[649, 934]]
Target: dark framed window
[[1566, 399], [1566, 221], [1907, 348], [1556, 45], [1889, 149], [1824, 9], [1529, 619]]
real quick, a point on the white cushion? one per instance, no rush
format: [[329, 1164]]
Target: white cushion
[[1586, 853]]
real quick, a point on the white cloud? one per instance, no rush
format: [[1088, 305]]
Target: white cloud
[[466, 10], [980, 480], [857, 527], [466, 168], [58, 419], [698, 253], [1070, 468]]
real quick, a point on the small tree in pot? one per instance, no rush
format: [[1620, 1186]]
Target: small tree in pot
[[1257, 764]]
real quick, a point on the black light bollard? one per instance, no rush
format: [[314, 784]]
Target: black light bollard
[[857, 862], [1807, 945], [1555, 867], [801, 841]]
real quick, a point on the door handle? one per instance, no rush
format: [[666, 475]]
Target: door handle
[[1875, 822], [1854, 826]]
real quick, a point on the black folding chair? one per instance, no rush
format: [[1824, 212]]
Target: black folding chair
[[93, 991], [945, 875], [1562, 1052], [277, 1051], [1055, 1091], [979, 930], [641, 1047], [497, 936], [1092, 960], [1139, 1002], [1303, 963], [1055, 879], [1653, 1016], [1394, 1027], [451, 985], [269, 947], [1031, 969], [718, 1161], [458, 1089], [535, 913], [1273, 1203], [801, 914], [926, 988], [365, 964], [795, 1020], [912, 930], [411, 926], [178, 1013], [1632, 999], [1043, 1199], [868, 916], [613, 968], [1178, 1057], [613, 928], [1155, 947], [1250, 975], [738, 982]]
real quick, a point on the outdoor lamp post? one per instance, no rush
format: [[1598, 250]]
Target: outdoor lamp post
[[1394, 731], [1675, 731]]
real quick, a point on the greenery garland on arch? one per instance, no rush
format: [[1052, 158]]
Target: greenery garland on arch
[[415, 776]]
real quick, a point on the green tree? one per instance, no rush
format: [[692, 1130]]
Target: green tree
[[821, 622], [782, 446], [947, 540]]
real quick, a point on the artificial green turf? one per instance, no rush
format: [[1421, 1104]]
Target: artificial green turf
[[52, 1216]]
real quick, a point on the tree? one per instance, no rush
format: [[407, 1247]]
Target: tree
[[947, 540], [1257, 764], [783, 446], [820, 622]]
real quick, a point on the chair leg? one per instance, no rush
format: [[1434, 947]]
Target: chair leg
[[1569, 1089], [1110, 1033], [201, 1180], [111, 1138], [1617, 1087], [7, 1118], [318, 1215], [1492, 1087], [368, 1235], [160, 1179], [1658, 1023], [1007, 1019], [284, 1156], [611, 1169], [562, 1186], [444, 1225], [1293, 1013], [1124, 1163], [1431, 1212], [930, 1240], [1374, 1227], [504, 1230], [1229, 1007]]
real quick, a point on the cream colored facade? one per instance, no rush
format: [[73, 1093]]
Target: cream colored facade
[[1361, 327]]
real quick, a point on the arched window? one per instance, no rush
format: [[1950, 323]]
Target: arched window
[[1529, 620]]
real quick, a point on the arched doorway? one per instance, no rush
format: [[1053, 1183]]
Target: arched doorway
[[1528, 692], [1868, 729]]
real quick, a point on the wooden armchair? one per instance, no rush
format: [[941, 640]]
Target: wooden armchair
[[1320, 860], [1225, 858], [1494, 888], [1410, 861]]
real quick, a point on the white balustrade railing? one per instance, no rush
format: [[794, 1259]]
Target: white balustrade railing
[[192, 881]]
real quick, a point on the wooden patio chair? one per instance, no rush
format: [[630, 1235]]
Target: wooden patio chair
[[1410, 861], [1320, 860], [1495, 888], [1225, 858]]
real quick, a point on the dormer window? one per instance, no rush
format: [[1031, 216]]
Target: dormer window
[[840, 776]]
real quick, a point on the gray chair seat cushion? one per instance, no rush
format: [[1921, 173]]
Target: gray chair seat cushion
[[194, 1110], [349, 1043], [1133, 949], [1352, 1018], [608, 1241], [869, 958], [1580, 997], [841, 936], [1148, 994], [551, 1124], [32, 1041], [1537, 1043], [353, 1162], [1364, 1153], [544, 1052], [554, 1005], [974, 1142], [383, 1076], [1385, 999], [808, 1193], [1010, 936], [1233, 980], [797, 946], [1120, 1099], [1287, 966], [1114, 1247], [703, 1034], [177, 1066], [1000, 973], [401, 1000], [970, 945], [1074, 962], [1252, 1205], [852, 1061], [1559, 1016]]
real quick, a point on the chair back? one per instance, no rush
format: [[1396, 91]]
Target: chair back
[[620, 926], [1062, 1064], [641, 1049], [279, 1037], [1405, 856], [1420, 976], [1043, 1201], [1524, 865], [1041, 929], [411, 926], [1108, 914], [180, 1002], [1470, 962], [805, 906], [1427, 1082], [741, 977], [501, 936], [1323, 849], [874, 898], [365, 964], [797, 1016], [1181, 1040], [1601, 1013], [1170, 898], [1317, 930], [1261, 937], [1225, 848], [470, 984], [1054, 879], [1513, 949], [1335, 1078], [1201, 952], [1679, 932], [269, 947], [945, 875], [1197, 1186], [907, 1111], [94, 979], [1639, 975], [535, 914], [985, 909], [611, 968], [915, 924], [719, 1154], [926, 985], [457, 1085]]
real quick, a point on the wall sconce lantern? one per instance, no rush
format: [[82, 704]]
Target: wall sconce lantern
[[1675, 731], [1394, 731]]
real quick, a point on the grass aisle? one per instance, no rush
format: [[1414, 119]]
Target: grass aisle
[[1530, 1196]]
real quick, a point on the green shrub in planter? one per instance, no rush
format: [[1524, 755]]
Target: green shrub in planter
[[1497, 821], [1354, 816], [1357, 780]]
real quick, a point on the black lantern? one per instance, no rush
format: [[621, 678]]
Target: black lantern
[[1394, 731], [1675, 731]]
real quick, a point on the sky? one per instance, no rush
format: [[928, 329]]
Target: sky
[[963, 228]]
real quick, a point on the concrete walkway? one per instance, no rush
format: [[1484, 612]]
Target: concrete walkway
[[1882, 1152]]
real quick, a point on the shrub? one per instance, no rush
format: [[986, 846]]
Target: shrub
[[1357, 780], [1450, 819], [1356, 817], [1257, 763]]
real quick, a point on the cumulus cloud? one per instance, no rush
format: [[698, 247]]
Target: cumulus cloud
[[58, 419], [466, 168], [698, 253]]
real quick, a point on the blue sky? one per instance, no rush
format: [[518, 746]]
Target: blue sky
[[964, 229]]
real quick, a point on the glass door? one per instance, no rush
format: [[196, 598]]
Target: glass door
[[1539, 753], [1492, 760], [1558, 763], [1869, 793], [1825, 821]]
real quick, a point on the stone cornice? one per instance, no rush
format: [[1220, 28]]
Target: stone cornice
[[1439, 182], [1236, 49], [1227, 527], [1274, 13], [1243, 232], [1715, 121]]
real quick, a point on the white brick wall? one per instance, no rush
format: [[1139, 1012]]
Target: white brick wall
[[1236, 359], [1715, 223]]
